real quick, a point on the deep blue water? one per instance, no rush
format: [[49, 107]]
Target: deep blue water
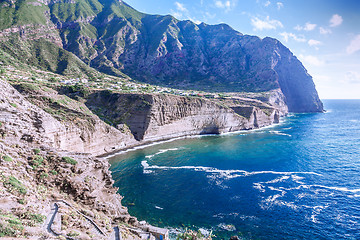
[[296, 180]]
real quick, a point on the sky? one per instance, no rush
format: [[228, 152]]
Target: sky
[[323, 34]]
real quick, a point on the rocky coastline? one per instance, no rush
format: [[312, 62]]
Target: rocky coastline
[[52, 140]]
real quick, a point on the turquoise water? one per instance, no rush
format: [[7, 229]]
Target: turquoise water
[[296, 180]]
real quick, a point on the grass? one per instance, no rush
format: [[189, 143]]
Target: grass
[[53, 172], [69, 160], [13, 104], [12, 183]]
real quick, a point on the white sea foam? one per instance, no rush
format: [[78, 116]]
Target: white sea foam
[[280, 133], [160, 208], [342, 189], [316, 212], [259, 187], [279, 179], [228, 174], [161, 151]]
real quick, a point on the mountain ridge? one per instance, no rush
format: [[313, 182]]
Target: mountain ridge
[[114, 38]]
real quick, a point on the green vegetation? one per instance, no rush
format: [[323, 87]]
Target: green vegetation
[[44, 175], [36, 151], [7, 158], [33, 218], [13, 184], [53, 172], [13, 104], [73, 234], [69, 160], [37, 161]]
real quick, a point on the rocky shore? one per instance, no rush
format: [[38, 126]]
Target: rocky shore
[[52, 183]]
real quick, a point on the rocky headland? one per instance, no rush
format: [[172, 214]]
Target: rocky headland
[[52, 182]]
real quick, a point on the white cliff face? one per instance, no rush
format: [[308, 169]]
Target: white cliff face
[[155, 117], [138, 118]]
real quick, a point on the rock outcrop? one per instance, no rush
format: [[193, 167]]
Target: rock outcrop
[[34, 175]]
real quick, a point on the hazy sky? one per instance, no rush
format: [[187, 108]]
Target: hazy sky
[[323, 34]]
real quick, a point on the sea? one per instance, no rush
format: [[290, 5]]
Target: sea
[[299, 179]]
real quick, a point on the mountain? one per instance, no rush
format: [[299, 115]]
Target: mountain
[[82, 36]]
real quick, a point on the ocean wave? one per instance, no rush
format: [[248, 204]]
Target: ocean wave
[[228, 174], [161, 151], [341, 189], [280, 133]]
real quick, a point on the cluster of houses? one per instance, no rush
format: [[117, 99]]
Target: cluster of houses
[[111, 84]]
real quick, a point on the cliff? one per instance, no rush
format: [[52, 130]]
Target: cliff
[[114, 38], [137, 119], [46, 191], [51, 184], [154, 117]]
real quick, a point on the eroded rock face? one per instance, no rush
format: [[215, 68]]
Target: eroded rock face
[[153, 117]]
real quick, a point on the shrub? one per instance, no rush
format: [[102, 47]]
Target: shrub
[[72, 234], [36, 151], [69, 160], [37, 161], [7, 158], [6, 231], [44, 175], [33, 218], [13, 183]]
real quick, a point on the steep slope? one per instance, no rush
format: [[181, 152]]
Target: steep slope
[[114, 38]]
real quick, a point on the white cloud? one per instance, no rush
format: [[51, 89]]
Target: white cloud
[[313, 42], [221, 4], [352, 77], [354, 45], [311, 60], [265, 24], [279, 5], [336, 20], [267, 3], [325, 30], [227, 5], [307, 27], [180, 7], [295, 37]]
